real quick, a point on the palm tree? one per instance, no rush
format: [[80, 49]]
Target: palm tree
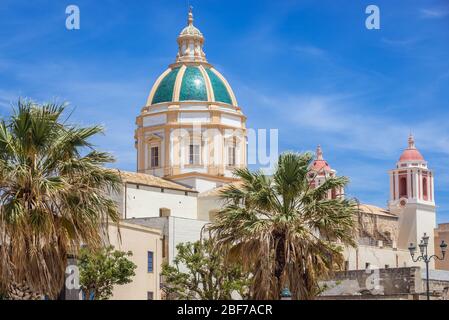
[[53, 195], [282, 229]]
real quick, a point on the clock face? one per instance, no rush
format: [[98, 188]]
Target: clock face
[[402, 202]]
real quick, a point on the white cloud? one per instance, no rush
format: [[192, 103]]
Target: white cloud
[[435, 13], [349, 125]]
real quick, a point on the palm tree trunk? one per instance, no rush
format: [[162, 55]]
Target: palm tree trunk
[[22, 292], [280, 261]]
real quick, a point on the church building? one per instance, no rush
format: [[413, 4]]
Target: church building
[[191, 135]]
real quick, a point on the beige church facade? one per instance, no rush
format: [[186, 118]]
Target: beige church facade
[[192, 134]]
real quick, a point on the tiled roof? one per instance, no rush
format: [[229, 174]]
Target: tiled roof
[[153, 181], [370, 209]]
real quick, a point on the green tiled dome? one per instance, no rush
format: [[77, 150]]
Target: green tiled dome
[[164, 92], [193, 86], [220, 92], [192, 83]]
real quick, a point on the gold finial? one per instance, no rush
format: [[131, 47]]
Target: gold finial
[[190, 19]]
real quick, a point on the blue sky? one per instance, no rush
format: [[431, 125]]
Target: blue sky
[[309, 68]]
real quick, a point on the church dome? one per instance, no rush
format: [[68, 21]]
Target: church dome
[[319, 164], [186, 82], [191, 77], [411, 153]]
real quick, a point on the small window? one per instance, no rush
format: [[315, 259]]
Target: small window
[[424, 189], [150, 295], [150, 261], [367, 265], [403, 187], [194, 154], [231, 156], [154, 155], [387, 266], [346, 265]]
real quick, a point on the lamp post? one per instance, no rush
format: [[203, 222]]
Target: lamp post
[[286, 294], [425, 257]]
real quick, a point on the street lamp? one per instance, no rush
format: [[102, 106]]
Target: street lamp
[[286, 294], [425, 257]]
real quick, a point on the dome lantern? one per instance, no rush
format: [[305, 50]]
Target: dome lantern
[[190, 42]]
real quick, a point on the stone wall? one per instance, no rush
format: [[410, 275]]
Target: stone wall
[[375, 282], [392, 283]]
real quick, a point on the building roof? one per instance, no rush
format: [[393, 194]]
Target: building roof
[[370, 209], [216, 192], [152, 181], [193, 83], [319, 164], [411, 153]]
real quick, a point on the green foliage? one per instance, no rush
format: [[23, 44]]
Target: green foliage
[[54, 194], [283, 229], [101, 269], [200, 271]]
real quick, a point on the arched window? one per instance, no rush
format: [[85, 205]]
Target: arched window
[[424, 188], [403, 187]]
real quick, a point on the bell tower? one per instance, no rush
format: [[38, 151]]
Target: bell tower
[[320, 171], [412, 197]]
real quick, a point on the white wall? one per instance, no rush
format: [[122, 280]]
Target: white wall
[[146, 201], [183, 230], [376, 257], [208, 204], [154, 120], [231, 120], [415, 220], [195, 117], [200, 185]]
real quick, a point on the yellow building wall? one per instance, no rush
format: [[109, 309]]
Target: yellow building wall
[[139, 240]]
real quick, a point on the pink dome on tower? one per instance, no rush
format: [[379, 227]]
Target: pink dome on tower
[[411, 153], [319, 164]]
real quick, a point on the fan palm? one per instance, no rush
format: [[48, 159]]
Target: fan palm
[[53, 195], [284, 230]]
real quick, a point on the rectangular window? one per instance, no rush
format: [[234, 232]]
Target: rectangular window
[[150, 261], [231, 156], [194, 154], [150, 295], [154, 154]]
